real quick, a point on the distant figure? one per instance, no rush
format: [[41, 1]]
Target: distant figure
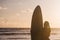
[[37, 24], [47, 30]]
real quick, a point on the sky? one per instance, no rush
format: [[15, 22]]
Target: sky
[[18, 13]]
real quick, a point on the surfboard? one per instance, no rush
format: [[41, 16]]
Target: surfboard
[[37, 24]]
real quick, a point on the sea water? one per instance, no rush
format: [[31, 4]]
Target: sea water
[[24, 34], [15, 34], [55, 34]]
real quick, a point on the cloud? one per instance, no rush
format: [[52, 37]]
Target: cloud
[[0, 8], [3, 8], [27, 11], [18, 14]]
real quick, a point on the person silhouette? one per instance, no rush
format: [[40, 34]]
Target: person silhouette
[[46, 31]]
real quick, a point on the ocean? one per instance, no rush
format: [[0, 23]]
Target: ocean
[[55, 34], [24, 34]]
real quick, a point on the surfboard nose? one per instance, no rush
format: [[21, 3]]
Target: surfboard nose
[[37, 20], [37, 7]]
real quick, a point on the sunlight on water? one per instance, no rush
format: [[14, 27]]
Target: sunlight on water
[[55, 34], [13, 34], [25, 35]]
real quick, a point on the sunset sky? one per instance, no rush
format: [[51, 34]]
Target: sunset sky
[[18, 13]]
